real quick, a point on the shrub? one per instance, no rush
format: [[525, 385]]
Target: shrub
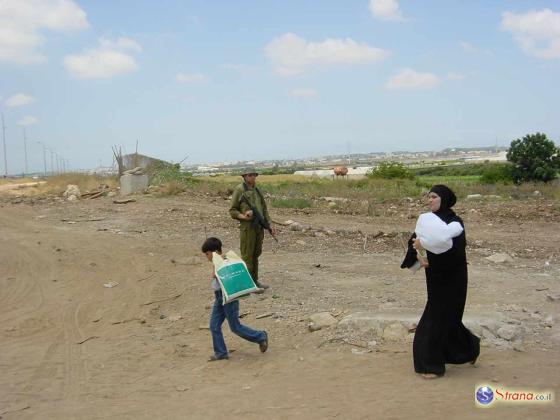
[[496, 173], [291, 203], [390, 170], [166, 173]]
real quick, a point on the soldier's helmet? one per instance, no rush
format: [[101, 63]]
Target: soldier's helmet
[[249, 170]]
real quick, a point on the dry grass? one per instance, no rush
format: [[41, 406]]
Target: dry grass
[[4, 181], [58, 184], [171, 188]]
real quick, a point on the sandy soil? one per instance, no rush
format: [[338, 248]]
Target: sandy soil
[[71, 348]]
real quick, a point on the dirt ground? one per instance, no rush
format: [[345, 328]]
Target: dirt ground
[[71, 348]]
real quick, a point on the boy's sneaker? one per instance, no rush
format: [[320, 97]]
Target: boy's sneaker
[[215, 358], [263, 345]]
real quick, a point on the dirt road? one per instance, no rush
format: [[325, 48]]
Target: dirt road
[[72, 348]]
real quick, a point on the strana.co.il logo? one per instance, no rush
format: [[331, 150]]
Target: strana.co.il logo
[[484, 395]]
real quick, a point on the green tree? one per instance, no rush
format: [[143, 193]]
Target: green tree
[[534, 158]]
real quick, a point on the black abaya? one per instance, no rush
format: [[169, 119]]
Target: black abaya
[[440, 336]]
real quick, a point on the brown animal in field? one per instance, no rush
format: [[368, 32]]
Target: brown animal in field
[[341, 171]]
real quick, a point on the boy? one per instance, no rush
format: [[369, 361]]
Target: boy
[[229, 311]]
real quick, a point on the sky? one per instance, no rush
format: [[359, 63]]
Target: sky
[[213, 81]]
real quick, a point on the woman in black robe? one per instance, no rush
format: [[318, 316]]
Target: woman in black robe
[[440, 336]]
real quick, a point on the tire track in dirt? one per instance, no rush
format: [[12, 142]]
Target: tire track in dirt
[[54, 369]]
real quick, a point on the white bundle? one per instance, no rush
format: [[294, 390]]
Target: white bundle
[[435, 235]]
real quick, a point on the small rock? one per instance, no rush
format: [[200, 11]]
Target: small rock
[[548, 322], [474, 196], [313, 327], [358, 352], [111, 284], [395, 332], [323, 319], [517, 345], [174, 318], [296, 227], [500, 258], [72, 189], [508, 332]]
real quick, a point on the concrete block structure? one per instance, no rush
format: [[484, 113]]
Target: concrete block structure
[[132, 184]]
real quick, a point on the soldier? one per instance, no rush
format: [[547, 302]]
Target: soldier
[[251, 235]]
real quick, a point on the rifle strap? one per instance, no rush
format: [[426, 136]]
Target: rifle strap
[[246, 188]]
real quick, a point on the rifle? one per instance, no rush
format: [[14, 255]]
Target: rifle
[[258, 219]]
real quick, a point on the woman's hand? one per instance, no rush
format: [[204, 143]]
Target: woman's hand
[[418, 247]]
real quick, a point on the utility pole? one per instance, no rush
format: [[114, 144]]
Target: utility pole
[[44, 158], [4, 141], [52, 159], [25, 151]]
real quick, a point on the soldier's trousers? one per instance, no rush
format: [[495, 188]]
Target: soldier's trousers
[[251, 241]]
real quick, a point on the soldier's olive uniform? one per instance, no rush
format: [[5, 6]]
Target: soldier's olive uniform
[[251, 237]]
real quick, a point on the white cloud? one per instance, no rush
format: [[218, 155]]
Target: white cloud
[[303, 93], [410, 79], [536, 32], [456, 76], [121, 43], [19, 100], [28, 120], [235, 67], [190, 78], [385, 10], [22, 21], [103, 62], [291, 55], [467, 47]]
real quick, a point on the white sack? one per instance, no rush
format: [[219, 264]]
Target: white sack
[[435, 235]]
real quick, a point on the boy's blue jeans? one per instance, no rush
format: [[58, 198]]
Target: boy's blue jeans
[[229, 311]]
